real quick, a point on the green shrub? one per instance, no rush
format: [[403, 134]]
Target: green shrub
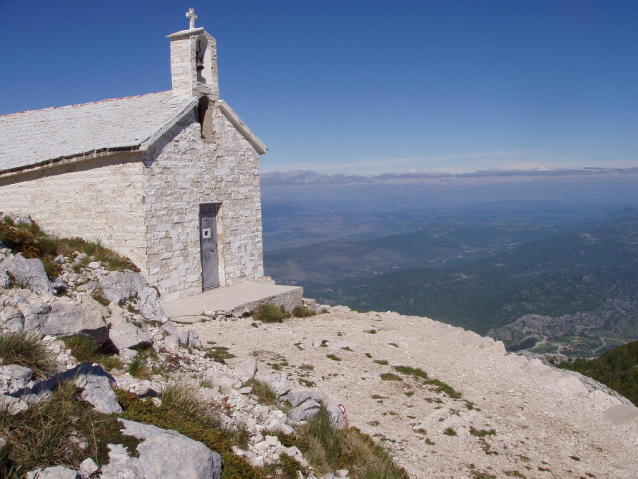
[[264, 394], [85, 348], [32, 242], [301, 312], [390, 377], [27, 350], [269, 313]]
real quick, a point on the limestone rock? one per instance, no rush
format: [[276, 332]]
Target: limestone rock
[[338, 414], [12, 404], [35, 315], [277, 382], [125, 335], [29, 272], [14, 377], [5, 281], [602, 400], [88, 467], [120, 286], [573, 385], [187, 459], [94, 380], [55, 472], [68, 318], [11, 319], [247, 368], [189, 338], [622, 413]]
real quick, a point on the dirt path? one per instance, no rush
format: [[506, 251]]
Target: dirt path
[[540, 429]]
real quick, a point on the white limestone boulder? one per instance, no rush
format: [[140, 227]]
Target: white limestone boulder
[[55, 472], [35, 315], [11, 319], [120, 286], [162, 454], [622, 413], [68, 318], [247, 368], [574, 386], [95, 383], [602, 400], [14, 377], [277, 382], [29, 272], [125, 335]]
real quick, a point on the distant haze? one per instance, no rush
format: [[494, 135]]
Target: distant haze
[[432, 190]]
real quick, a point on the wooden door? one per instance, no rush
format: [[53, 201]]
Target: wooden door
[[208, 242]]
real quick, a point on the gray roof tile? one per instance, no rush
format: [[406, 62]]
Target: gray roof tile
[[39, 136]]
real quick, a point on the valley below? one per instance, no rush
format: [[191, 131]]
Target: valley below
[[543, 283]]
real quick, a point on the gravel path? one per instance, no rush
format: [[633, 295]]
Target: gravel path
[[540, 429]]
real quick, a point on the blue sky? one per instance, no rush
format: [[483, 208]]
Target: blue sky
[[360, 86]]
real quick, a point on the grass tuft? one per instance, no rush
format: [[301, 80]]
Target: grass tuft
[[328, 449], [85, 348], [301, 312], [407, 370], [264, 393], [390, 377], [138, 369], [269, 313], [27, 350]]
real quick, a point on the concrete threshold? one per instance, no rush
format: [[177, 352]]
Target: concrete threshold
[[236, 300]]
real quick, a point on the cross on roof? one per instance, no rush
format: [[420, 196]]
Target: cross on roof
[[192, 17]]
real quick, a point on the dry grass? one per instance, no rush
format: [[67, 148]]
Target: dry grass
[[59, 431], [27, 350]]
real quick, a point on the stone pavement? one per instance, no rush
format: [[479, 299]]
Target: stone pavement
[[233, 300]]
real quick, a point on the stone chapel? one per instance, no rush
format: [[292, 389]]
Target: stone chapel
[[169, 179]]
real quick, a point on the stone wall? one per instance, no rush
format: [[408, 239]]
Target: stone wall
[[99, 199], [184, 171]]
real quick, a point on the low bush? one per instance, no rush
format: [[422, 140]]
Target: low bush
[[264, 394], [27, 350], [32, 242], [301, 312], [269, 313], [85, 348]]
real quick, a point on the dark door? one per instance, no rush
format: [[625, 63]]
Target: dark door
[[208, 242]]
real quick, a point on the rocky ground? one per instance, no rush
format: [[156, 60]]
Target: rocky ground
[[515, 418]]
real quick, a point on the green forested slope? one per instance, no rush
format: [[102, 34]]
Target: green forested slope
[[617, 369]]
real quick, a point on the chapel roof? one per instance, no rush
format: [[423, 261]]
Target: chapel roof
[[41, 137]]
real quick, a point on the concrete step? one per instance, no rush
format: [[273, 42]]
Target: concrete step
[[236, 300]]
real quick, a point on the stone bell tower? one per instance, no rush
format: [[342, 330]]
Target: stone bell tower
[[194, 62]]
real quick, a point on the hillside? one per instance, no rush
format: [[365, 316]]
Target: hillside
[[577, 284]]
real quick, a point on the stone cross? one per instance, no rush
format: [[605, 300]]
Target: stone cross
[[192, 17]]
